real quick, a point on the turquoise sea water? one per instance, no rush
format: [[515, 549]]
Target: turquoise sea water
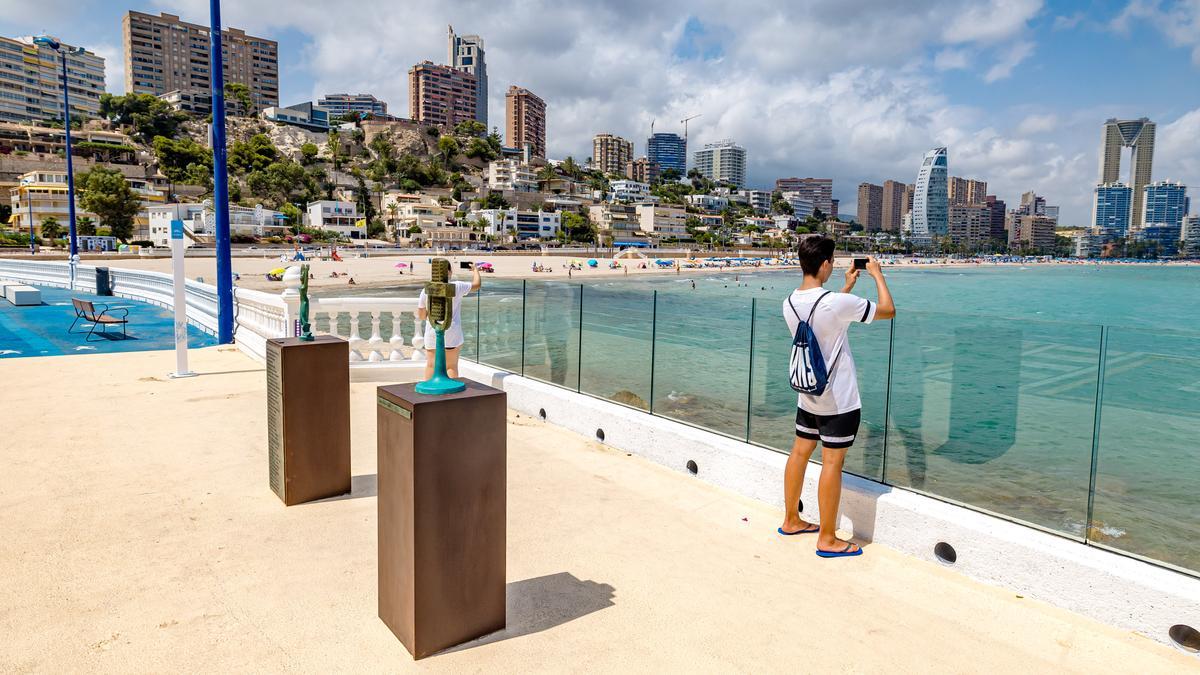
[[997, 387]]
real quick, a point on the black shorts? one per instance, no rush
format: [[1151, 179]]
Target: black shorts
[[834, 431]]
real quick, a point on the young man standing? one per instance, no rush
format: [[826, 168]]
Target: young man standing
[[833, 417]]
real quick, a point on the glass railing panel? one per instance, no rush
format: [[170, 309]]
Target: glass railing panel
[[995, 413], [1148, 456], [470, 324], [552, 332], [615, 345], [773, 403], [702, 360], [500, 316]]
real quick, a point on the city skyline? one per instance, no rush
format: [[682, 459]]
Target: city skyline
[[1007, 87]]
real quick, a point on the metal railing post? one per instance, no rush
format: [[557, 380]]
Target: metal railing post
[[579, 364], [750, 369], [887, 400], [524, 308], [653, 344], [1091, 501]]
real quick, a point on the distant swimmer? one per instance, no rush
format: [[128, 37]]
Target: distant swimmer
[[693, 284]]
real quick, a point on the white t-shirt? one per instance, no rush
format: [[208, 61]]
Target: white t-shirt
[[830, 323], [454, 334]]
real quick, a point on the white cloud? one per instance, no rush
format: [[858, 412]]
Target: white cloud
[[1176, 156], [951, 59], [1009, 59], [114, 66], [1037, 124], [784, 83], [989, 22], [1179, 21]]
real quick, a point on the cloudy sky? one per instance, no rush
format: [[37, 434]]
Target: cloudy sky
[[856, 90]]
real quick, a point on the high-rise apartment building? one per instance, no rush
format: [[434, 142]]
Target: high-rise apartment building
[[1032, 233], [964, 191], [1191, 235], [1110, 210], [969, 225], [819, 191], [642, 170], [31, 81], [525, 120], [1139, 135], [870, 206], [465, 53], [895, 195], [164, 54], [930, 201], [669, 151], [349, 104], [1166, 203], [996, 209], [440, 94], [611, 153], [723, 162]]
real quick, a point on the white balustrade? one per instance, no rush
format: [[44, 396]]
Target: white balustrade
[[258, 316]]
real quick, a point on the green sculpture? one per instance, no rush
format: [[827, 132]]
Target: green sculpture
[[305, 327], [439, 294]]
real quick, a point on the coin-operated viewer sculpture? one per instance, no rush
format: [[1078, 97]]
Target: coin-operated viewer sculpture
[[440, 294]]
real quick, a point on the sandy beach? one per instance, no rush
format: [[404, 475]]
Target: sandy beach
[[380, 269]]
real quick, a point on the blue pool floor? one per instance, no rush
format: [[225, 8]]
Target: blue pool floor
[[41, 330]]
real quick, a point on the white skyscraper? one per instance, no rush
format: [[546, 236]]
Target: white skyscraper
[[466, 53], [930, 214], [723, 161]]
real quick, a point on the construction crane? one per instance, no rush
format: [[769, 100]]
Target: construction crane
[[684, 122]]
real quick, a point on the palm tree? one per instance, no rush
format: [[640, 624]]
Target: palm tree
[[51, 229], [334, 144]]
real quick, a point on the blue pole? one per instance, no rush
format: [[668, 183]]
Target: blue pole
[[70, 168], [220, 180]]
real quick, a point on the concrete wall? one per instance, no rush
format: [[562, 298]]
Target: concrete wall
[[1112, 588]]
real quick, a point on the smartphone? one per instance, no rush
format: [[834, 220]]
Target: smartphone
[[462, 264], [860, 263]]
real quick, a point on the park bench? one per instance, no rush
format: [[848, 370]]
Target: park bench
[[86, 311]]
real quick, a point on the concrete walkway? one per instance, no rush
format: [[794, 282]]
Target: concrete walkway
[[139, 534]]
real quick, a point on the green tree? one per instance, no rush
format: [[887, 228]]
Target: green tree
[[238, 93], [255, 154], [85, 226], [670, 175], [293, 214], [577, 227], [106, 193], [571, 168], [376, 229], [334, 145], [308, 153], [280, 181], [479, 148], [468, 128], [51, 228], [495, 200], [176, 159], [363, 195], [147, 114], [447, 148]]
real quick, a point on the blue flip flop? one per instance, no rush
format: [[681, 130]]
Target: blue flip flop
[[844, 553], [808, 530]]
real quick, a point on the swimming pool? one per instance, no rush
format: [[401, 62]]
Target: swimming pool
[[41, 330]]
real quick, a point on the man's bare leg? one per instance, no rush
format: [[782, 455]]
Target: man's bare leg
[[829, 497], [793, 483]]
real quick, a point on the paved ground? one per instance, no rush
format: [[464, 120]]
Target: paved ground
[[41, 330], [140, 535]]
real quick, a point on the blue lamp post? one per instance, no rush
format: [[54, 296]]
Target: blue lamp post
[[64, 51], [220, 180]]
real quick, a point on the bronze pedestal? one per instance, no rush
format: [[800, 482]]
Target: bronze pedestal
[[308, 418], [442, 481]]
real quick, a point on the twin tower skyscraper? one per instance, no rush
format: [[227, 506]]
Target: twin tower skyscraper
[[1138, 135]]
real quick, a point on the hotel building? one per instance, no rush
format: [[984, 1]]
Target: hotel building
[[465, 53], [930, 201], [31, 82], [525, 121], [347, 104], [669, 151], [723, 162], [440, 95], [611, 153], [164, 54]]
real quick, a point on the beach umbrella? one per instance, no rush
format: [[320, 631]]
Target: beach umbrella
[[400, 264], [278, 271], [591, 262]]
